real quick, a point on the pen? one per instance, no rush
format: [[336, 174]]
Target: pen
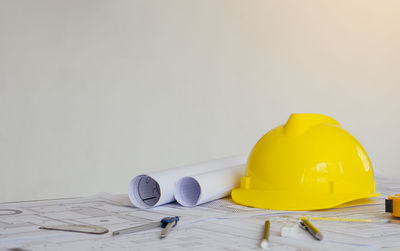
[[264, 241], [306, 225]]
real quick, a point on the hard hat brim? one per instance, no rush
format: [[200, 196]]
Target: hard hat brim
[[281, 200]]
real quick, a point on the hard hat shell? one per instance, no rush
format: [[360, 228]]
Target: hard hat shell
[[309, 163]]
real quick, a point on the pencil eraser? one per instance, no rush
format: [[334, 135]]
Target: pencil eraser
[[264, 244], [290, 230]]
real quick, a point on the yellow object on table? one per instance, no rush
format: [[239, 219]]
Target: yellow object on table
[[392, 205], [309, 163]]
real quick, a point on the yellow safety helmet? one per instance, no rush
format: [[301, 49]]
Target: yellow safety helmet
[[309, 163]]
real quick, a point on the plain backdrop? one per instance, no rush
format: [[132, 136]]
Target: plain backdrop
[[93, 93]]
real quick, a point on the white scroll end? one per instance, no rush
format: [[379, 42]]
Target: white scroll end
[[187, 192], [144, 192]]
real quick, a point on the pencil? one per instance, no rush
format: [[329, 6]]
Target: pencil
[[264, 241]]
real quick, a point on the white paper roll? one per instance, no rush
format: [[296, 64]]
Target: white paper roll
[[197, 189], [155, 189]]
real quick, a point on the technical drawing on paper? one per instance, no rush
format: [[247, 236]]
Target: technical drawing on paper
[[220, 224]]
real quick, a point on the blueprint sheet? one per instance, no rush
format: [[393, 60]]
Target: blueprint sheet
[[217, 225]]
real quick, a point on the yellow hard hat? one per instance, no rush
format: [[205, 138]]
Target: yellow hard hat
[[309, 163]]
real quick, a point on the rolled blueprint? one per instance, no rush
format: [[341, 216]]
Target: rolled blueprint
[[155, 189], [197, 189]]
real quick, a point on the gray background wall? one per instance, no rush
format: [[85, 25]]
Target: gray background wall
[[95, 92]]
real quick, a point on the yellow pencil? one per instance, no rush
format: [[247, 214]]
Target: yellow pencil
[[264, 242]]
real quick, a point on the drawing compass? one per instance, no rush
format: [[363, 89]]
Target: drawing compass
[[166, 224]]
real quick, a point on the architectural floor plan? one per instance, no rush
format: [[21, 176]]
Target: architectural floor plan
[[218, 225]]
